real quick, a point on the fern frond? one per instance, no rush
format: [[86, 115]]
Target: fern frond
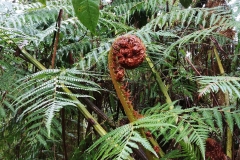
[[121, 140], [193, 124], [172, 154], [114, 26], [36, 133], [30, 23], [117, 3], [188, 16], [193, 37], [124, 8], [128, 8], [69, 27], [96, 56], [190, 152], [41, 92], [208, 118], [223, 83]]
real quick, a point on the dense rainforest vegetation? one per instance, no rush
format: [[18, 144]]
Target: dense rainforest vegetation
[[119, 79]]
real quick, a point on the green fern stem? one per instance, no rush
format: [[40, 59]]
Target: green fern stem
[[162, 88], [160, 82], [81, 107], [229, 133], [220, 66]]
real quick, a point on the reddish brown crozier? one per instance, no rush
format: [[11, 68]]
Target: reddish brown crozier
[[128, 52], [214, 150]]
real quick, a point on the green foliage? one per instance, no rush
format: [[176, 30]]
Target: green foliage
[[118, 144], [186, 3], [44, 88], [172, 154], [190, 152], [87, 12], [31, 122], [43, 2], [189, 127], [226, 84]]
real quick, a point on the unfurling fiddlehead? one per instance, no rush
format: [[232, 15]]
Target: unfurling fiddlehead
[[127, 52]]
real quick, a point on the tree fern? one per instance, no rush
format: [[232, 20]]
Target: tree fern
[[30, 113]]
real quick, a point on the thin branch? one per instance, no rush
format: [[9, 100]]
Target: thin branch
[[93, 107], [56, 38]]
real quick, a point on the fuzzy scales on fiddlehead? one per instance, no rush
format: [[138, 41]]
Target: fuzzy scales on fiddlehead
[[127, 52]]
